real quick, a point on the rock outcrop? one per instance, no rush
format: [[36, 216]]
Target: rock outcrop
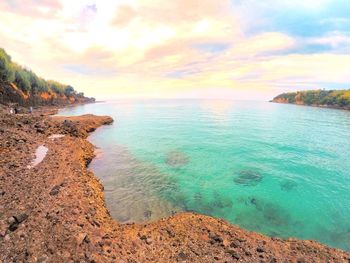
[[11, 94], [337, 99]]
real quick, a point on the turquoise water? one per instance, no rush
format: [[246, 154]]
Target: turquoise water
[[282, 170]]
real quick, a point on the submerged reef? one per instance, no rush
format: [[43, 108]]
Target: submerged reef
[[265, 216], [176, 159], [248, 178], [288, 185]]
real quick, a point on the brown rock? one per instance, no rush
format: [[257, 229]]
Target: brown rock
[[181, 257], [80, 238], [260, 249], [233, 253], [55, 190], [215, 238], [21, 217]]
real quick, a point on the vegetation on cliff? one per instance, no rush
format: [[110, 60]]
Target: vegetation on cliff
[[326, 98], [21, 85]]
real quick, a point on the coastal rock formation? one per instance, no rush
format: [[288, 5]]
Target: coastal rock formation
[[11, 94], [338, 99], [55, 212], [22, 87], [80, 126]]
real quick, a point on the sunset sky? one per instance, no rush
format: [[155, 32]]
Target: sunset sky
[[239, 49]]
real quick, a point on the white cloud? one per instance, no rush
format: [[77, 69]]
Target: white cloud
[[334, 39], [138, 48]]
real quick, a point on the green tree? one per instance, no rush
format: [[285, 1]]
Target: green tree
[[22, 80], [7, 72], [339, 98], [28, 81], [69, 91]]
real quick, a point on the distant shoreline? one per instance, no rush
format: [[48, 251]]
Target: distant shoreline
[[313, 106], [329, 99]]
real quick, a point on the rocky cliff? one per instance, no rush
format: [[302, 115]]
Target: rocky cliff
[[22, 86], [339, 99], [11, 94]]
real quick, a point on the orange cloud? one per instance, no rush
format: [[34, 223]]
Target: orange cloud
[[124, 15]]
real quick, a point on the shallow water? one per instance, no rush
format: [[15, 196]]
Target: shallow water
[[282, 170]]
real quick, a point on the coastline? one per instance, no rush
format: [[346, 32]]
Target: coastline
[[55, 211], [312, 105]]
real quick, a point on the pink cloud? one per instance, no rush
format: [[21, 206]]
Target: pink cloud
[[183, 10], [32, 8], [169, 12], [124, 15]]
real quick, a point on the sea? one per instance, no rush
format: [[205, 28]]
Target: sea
[[278, 169]]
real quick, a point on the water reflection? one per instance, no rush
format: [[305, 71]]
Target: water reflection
[[218, 109]]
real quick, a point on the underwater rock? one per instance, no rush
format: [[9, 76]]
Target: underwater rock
[[202, 207], [248, 178], [272, 213], [197, 196], [253, 201], [264, 214], [250, 220], [221, 202], [147, 214], [180, 200], [176, 159], [275, 215], [288, 185]]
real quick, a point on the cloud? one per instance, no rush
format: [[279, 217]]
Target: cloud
[[32, 8], [124, 15], [297, 18], [212, 47], [335, 40], [179, 48]]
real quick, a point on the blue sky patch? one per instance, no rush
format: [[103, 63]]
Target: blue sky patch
[[84, 70], [211, 47], [296, 21]]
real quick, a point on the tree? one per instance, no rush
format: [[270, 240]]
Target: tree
[[69, 91], [339, 98], [56, 87], [27, 80], [6, 69], [42, 85], [22, 80]]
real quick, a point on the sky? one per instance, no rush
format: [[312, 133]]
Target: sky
[[222, 49]]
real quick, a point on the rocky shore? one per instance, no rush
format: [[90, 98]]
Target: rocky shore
[[54, 210], [332, 99]]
